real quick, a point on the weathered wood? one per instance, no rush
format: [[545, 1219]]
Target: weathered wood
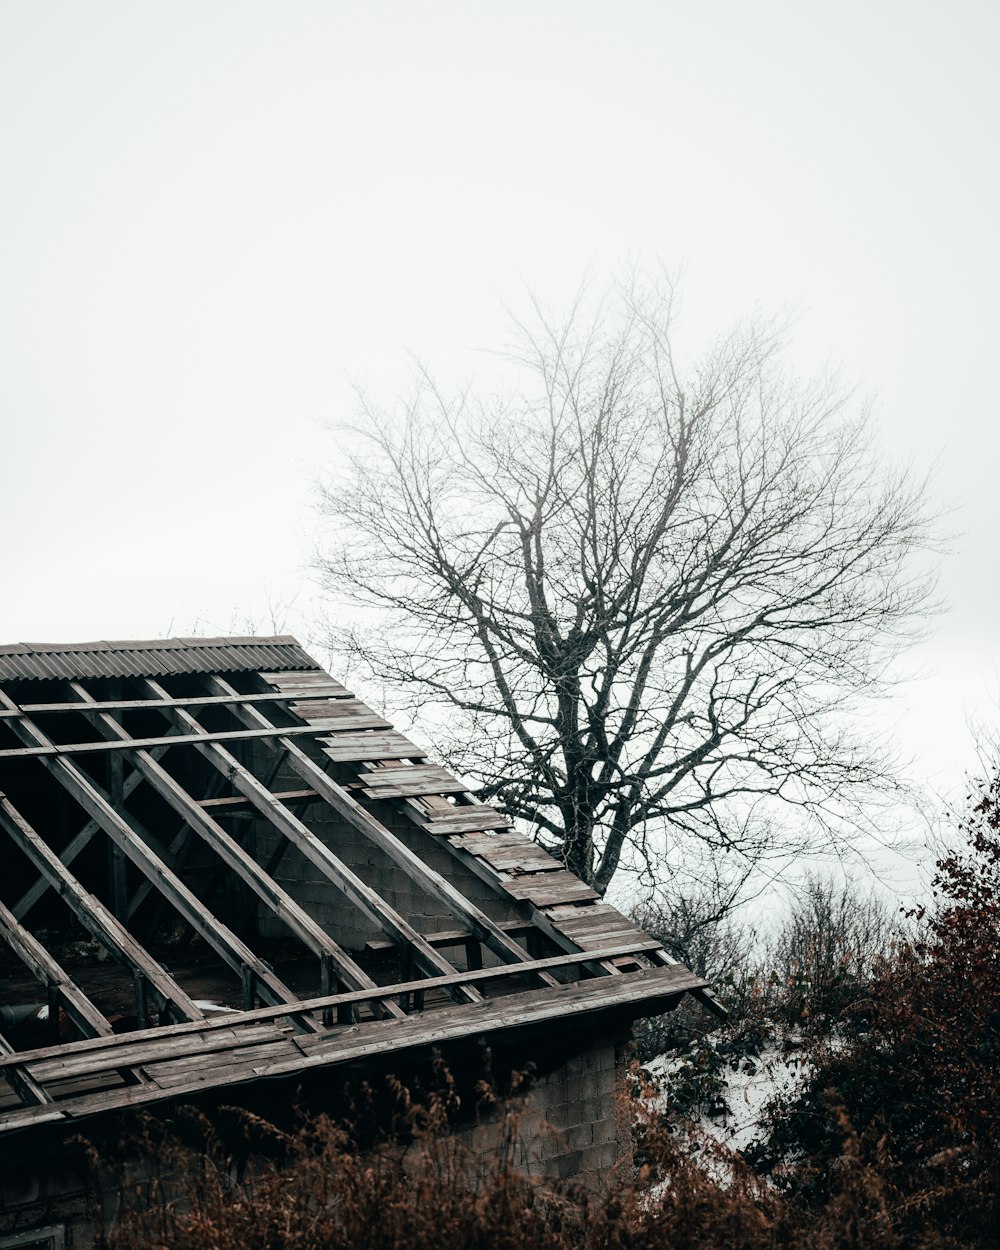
[[153, 1050], [240, 800], [92, 913], [350, 748], [454, 937], [314, 681], [426, 877], [339, 714], [218, 1068], [408, 780], [129, 705], [546, 888], [118, 1045], [541, 916], [23, 1083], [654, 988], [86, 748], [222, 940], [33, 954], [320, 855], [34, 892], [508, 852], [470, 818], [272, 895]]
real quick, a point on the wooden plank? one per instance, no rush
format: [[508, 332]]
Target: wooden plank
[[115, 1050], [454, 937], [92, 914], [652, 986], [203, 700], [23, 1083], [195, 1048], [270, 893], [544, 889], [340, 714], [345, 724], [34, 892], [476, 842], [31, 952], [409, 780], [240, 801], [349, 748], [315, 850], [527, 858], [86, 748], [426, 877], [218, 1068], [218, 936], [470, 818], [314, 681]]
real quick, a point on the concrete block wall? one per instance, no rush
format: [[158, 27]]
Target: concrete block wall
[[346, 923], [572, 1124]]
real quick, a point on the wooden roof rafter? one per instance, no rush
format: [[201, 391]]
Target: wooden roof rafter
[[463, 909], [333, 958], [354, 762], [257, 977], [323, 858]]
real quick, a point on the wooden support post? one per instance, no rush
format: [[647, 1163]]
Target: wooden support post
[[52, 1003], [249, 984], [141, 1001], [473, 954], [426, 877]]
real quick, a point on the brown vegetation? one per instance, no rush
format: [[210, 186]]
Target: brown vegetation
[[891, 1142]]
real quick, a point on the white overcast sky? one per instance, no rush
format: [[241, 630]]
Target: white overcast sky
[[214, 215]]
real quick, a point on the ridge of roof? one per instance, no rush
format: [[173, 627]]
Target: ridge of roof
[[158, 657], [151, 644]]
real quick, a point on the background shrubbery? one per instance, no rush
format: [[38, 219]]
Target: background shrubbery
[[890, 1138]]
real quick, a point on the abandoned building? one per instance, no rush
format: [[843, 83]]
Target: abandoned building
[[227, 880]]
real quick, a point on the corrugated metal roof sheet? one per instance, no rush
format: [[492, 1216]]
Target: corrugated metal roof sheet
[[154, 658]]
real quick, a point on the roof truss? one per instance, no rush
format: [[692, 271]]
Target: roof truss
[[356, 760]]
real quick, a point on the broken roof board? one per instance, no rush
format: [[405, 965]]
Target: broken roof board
[[283, 700]]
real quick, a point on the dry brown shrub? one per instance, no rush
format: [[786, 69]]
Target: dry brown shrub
[[421, 1187]]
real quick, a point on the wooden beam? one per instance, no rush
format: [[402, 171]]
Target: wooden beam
[[485, 929], [92, 913], [23, 1083], [320, 855], [116, 860], [261, 1014], [240, 800], [454, 937], [129, 705], [34, 892], [566, 1006], [218, 936], [276, 899], [30, 951], [85, 748]]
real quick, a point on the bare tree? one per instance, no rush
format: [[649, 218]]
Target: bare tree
[[635, 605]]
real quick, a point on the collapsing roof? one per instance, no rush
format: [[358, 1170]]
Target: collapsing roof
[[144, 795]]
